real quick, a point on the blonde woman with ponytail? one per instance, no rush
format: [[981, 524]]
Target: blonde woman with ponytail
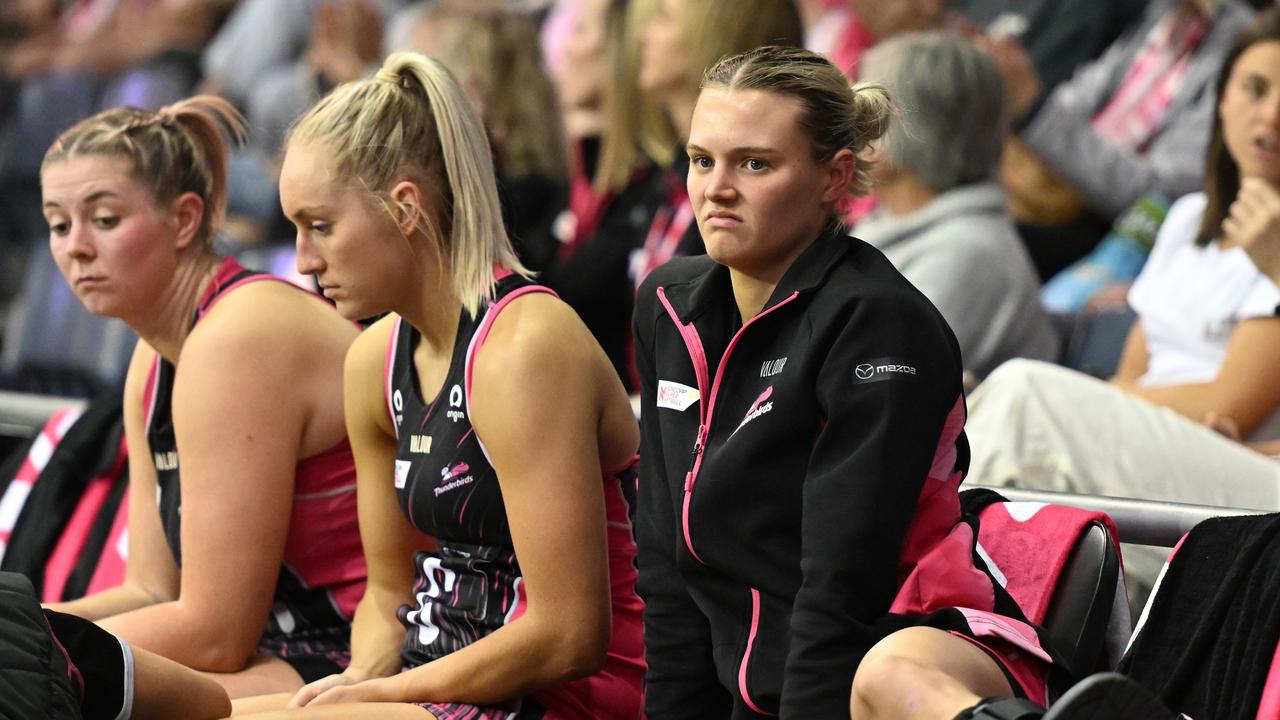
[[494, 443], [244, 551], [804, 438]]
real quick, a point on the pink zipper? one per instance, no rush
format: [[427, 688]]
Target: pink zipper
[[746, 656], [706, 404]]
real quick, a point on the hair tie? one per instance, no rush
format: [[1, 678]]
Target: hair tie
[[395, 76]]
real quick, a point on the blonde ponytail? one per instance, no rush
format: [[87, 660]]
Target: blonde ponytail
[[413, 118]]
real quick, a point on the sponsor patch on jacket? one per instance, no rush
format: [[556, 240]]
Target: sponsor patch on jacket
[[881, 369], [761, 406], [675, 396], [402, 473]]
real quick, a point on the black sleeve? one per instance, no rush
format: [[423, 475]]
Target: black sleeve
[[886, 387], [103, 662], [681, 680]]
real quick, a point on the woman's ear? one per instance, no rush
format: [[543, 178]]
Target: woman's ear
[[187, 213], [841, 169], [408, 207]]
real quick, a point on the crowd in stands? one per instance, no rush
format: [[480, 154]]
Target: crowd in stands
[[403, 274]]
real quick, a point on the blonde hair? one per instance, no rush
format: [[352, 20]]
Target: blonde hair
[[834, 114], [180, 148], [496, 50], [712, 29], [635, 130], [412, 119]]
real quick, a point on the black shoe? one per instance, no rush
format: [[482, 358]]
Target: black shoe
[[1109, 696]]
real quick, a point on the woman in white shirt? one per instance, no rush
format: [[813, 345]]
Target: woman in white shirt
[[1205, 343]]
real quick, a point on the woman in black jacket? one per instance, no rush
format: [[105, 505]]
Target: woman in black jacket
[[803, 438]]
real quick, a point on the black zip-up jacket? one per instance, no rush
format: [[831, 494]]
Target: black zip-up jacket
[[774, 508]]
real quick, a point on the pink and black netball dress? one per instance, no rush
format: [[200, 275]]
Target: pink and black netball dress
[[472, 585], [323, 574]]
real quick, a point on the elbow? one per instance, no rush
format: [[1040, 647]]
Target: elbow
[[581, 651], [220, 650], [220, 657]]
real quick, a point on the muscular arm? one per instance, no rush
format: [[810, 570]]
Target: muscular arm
[[151, 576], [389, 540], [239, 441], [535, 405]]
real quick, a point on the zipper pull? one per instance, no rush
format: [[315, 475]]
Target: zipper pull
[[697, 450], [698, 440]]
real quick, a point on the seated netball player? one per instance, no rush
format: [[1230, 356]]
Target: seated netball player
[[488, 426], [244, 551], [63, 667], [804, 438]]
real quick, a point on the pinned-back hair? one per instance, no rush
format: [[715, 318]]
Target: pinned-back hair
[[413, 119], [834, 114], [177, 149]]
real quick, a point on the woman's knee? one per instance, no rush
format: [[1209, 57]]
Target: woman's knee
[[880, 682], [893, 673], [923, 672]]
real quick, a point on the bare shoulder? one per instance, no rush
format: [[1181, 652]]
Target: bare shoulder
[[363, 380], [271, 308], [537, 333], [135, 381], [367, 356]]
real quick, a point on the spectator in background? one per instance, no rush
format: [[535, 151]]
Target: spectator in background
[[682, 40], [1130, 123], [80, 58], [1204, 346], [616, 187], [274, 58], [942, 218], [1058, 36], [832, 30], [1254, 220], [494, 54]]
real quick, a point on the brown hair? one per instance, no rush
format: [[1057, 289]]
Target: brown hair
[[1222, 174], [177, 149], [834, 114]]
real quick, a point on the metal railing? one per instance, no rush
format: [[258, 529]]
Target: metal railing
[[22, 414], [1142, 522]]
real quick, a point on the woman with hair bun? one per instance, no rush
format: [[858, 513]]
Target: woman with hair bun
[[492, 437], [244, 551], [803, 438]]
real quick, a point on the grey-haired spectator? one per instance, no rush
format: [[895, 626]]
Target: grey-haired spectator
[[942, 217]]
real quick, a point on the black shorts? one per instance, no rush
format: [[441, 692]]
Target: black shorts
[[313, 653], [99, 666]]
